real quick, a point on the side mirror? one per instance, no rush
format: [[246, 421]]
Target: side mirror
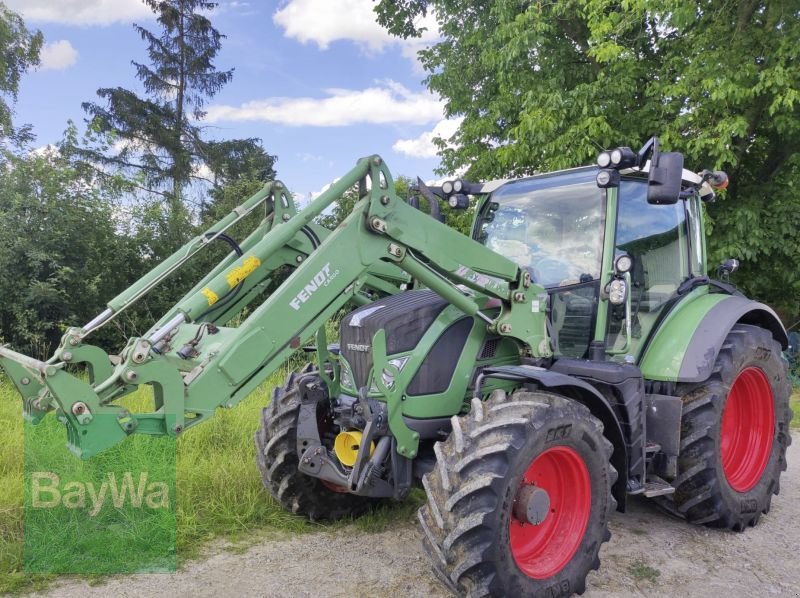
[[666, 176], [727, 268]]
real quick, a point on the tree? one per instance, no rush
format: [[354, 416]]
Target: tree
[[544, 85], [61, 257], [19, 51], [461, 220], [238, 159], [157, 137], [239, 168]]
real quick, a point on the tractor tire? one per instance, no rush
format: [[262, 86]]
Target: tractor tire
[[277, 460], [734, 433], [480, 537]]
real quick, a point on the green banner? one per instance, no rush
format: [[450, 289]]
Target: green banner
[[114, 513]]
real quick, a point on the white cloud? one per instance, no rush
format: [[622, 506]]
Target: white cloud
[[203, 171], [325, 21], [315, 194], [423, 146], [132, 147], [388, 102], [80, 12], [57, 56], [45, 151]]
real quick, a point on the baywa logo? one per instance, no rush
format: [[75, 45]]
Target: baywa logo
[[321, 279], [47, 492]]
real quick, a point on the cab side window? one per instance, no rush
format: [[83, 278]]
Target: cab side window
[[655, 236]]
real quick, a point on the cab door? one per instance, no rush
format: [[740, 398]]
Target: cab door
[[656, 238], [553, 226]]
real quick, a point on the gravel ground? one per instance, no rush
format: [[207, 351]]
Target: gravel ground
[[650, 554]]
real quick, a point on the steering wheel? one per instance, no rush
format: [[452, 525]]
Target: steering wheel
[[548, 270]]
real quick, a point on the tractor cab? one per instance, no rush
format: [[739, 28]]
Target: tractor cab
[[553, 227], [575, 238]]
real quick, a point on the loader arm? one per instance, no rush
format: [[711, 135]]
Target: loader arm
[[195, 364]]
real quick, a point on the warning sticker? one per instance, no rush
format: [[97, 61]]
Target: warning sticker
[[210, 295], [239, 273]]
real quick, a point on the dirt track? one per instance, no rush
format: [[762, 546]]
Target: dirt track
[[650, 554]]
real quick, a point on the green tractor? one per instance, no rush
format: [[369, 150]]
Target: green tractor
[[572, 353]]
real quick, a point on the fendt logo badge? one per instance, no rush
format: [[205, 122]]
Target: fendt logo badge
[[321, 279], [357, 347]]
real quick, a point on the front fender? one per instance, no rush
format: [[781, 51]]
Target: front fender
[[583, 392]]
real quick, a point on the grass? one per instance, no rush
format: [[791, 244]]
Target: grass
[[69, 535], [219, 493], [794, 403], [641, 571]]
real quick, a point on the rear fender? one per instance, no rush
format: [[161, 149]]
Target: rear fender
[[685, 347]]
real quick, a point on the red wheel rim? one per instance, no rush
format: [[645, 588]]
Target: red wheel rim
[[541, 551], [334, 487], [748, 428]]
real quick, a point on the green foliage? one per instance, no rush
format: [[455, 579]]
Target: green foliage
[[19, 51], [182, 56], [60, 255], [237, 160], [87, 536], [543, 86], [460, 220]]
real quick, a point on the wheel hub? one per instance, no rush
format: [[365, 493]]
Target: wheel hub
[[532, 504]]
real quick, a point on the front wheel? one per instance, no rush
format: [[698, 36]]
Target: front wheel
[[278, 462], [734, 433], [520, 498]]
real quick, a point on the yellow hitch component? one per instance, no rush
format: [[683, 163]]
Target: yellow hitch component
[[346, 447]]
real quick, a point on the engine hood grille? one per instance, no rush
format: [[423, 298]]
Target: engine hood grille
[[404, 317]]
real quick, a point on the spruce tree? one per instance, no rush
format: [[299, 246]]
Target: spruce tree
[[156, 138]]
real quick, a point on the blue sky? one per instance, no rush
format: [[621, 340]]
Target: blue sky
[[317, 80]]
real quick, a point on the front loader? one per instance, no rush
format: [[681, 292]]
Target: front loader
[[570, 353]]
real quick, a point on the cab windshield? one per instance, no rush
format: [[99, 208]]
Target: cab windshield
[[552, 229]]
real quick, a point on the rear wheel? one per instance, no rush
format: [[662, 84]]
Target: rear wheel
[[520, 498], [734, 433], [277, 460]]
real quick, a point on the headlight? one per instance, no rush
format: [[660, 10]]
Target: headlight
[[607, 178], [616, 291], [623, 157], [387, 376], [458, 201], [347, 377], [623, 264]]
